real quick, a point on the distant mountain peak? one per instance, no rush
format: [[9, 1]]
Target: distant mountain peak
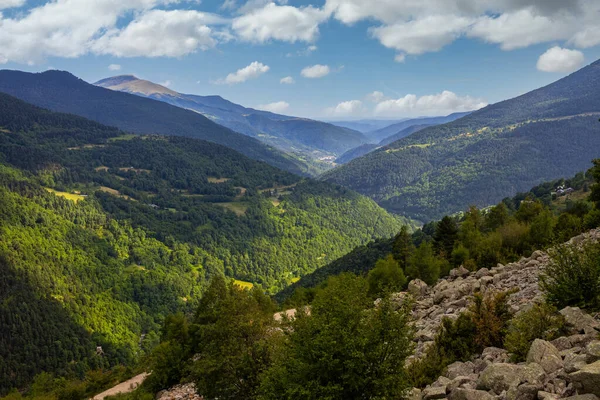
[[134, 85]]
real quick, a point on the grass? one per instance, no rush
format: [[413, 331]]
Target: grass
[[115, 192], [238, 208], [243, 284], [69, 196], [212, 179], [122, 138]]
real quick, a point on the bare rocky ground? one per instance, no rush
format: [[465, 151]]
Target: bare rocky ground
[[123, 387], [568, 367]]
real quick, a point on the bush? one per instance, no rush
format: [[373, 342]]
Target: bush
[[572, 278], [490, 314], [386, 277], [541, 321]]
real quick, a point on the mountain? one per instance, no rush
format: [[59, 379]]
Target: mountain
[[367, 148], [487, 155], [63, 92], [366, 125], [296, 135], [104, 233], [389, 130]]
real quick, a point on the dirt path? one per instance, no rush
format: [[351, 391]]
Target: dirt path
[[123, 387]]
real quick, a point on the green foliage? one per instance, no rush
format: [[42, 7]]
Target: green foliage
[[446, 233], [345, 348], [490, 314], [540, 321], [572, 278], [424, 265], [386, 277]]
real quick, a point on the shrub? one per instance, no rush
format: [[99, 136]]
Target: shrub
[[572, 278], [490, 314], [541, 321], [387, 276]]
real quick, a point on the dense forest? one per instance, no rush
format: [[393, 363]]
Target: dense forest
[[103, 234], [488, 155]]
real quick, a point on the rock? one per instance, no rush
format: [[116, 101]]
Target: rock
[[486, 280], [532, 263], [562, 343], [432, 393], [494, 355], [545, 354], [459, 369], [582, 340], [532, 373], [582, 322], [462, 382], [469, 394], [592, 350], [527, 391], [442, 381], [482, 272], [587, 379], [414, 394], [537, 255], [574, 362], [547, 396], [499, 377], [588, 396], [417, 288]]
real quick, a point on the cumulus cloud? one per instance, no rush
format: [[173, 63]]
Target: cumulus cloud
[[114, 67], [346, 109], [166, 83], [160, 33], [316, 71], [252, 71], [400, 58], [558, 59], [277, 107], [376, 97], [11, 3], [288, 80], [437, 104], [285, 23]]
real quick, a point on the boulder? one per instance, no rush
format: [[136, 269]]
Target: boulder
[[527, 391], [499, 377], [417, 288], [482, 272], [545, 354], [532, 373], [547, 396], [574, 362], [582, 322], [562, 343], [588, 396], [434, 392], [494, 355], [592, 350], [462, 382], [469, 394], [587, 379], [414, 394], [459, 369]]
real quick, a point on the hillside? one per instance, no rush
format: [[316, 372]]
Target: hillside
[[297, 135], [488, 155], [62, 92], [104, 233], [366, 125], [389, 130]]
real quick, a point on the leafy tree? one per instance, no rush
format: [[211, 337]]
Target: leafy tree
[[496, 217], [424, 265], [595, 189], [345, 348], [386, 277], [446, 233]]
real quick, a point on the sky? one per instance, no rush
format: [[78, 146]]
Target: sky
[[327, 59]]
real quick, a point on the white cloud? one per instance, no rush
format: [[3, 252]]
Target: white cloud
[[160, 33], [400, 58], [11, 3], [346, 109], [437, 104], [316, 71], [166, 83], [423, 35], [277, 107], [285, 23], [229, 5], [252, 71], [288, 80], [376, 97], [114, 67], [558, 59]]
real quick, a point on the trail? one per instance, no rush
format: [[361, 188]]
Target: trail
[[123, 387]]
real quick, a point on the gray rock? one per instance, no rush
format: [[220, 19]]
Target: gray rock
[[592, 350], [414, 394], [582, 322], [417, 288], [432, 393], [459, 369], [582, 340], [442, 381], [545, 354], [587, 379], [588, 396], [462, 382], [499, 377], [469, 394], [494, 355], [547, 396], [532, 373], [482, 272], [527, 391], [574, 362], [562, 343]]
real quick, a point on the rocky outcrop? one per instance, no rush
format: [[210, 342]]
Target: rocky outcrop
[[566, 368], [185, 391]]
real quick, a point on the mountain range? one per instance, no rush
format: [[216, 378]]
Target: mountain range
[[487, 155], [308, 137], [63, 92]]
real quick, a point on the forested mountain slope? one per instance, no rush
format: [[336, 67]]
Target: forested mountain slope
[[487, 155], [392, 129], [102, 234], [63, 92], [284, 132]]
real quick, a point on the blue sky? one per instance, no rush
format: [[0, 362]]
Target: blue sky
[[374, 59]]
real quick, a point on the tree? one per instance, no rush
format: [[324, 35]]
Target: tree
[[445, 236], [386, 277], [595, 189], [230, 341], [496, 217], [402, 247], [424, 265], [345, 349]]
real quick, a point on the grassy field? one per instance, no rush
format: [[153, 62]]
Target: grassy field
[[212, 179], [238, 208], [123, 137], [243, 284], [69, 196]]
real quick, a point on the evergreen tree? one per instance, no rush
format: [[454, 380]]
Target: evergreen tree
[[402, 247], [446, 233]]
